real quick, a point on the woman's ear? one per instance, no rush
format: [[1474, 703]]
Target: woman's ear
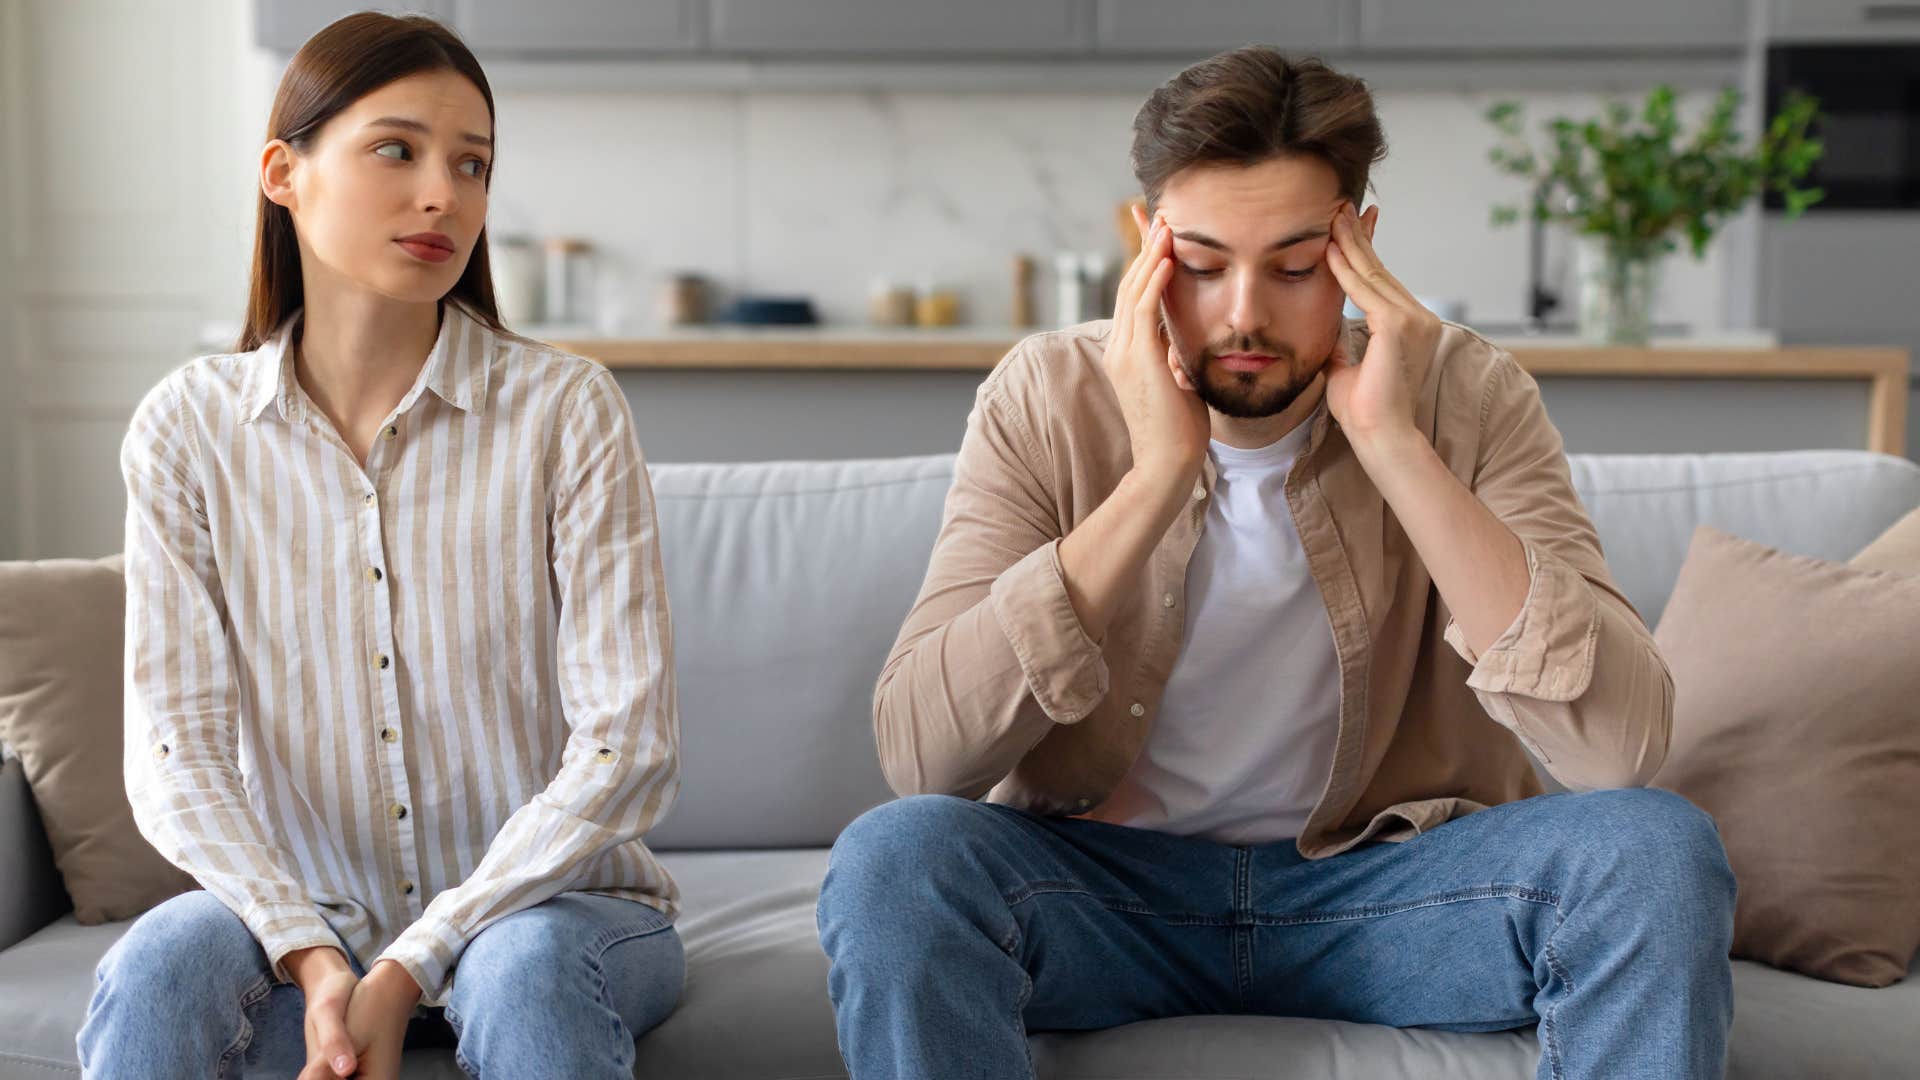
[[276, 173]]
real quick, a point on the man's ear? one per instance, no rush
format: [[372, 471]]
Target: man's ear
[[276, 173]]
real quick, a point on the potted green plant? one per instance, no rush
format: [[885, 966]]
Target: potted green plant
[[1629, 187]]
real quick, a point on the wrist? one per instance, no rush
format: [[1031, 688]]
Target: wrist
[[1175, 475], [308, 966], [394, 982], [1394, 441]]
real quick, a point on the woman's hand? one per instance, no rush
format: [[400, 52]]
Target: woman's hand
[[327, 983], [377, 1019]]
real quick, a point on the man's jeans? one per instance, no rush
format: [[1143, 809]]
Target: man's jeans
[[557, 990], [956, 927]]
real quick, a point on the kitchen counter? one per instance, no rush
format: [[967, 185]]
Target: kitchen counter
[[966, 349]]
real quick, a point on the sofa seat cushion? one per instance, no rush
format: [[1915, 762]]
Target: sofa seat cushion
[[756, 1006]]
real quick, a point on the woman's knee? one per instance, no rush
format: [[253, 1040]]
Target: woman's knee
[[191, 940]]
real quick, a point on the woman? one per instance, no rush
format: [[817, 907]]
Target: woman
[[399, 669]]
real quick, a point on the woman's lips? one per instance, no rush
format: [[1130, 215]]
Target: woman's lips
[[427, 247], [1253, 362]]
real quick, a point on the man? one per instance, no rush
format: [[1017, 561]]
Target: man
[[1243, 620]]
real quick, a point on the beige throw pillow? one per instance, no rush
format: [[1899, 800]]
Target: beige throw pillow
[[61, 634], [1797, 726]]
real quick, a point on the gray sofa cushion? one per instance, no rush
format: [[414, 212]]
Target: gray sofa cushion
[[788, 582], [1824, 503], [755, 1008]]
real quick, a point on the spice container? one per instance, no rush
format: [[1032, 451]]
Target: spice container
[[890, 303]]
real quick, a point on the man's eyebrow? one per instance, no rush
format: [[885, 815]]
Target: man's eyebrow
[[405, 124], [1195, 237]]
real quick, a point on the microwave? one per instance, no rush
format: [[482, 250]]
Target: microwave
[[1869, 121]]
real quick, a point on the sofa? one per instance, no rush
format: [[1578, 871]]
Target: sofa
[[787, 582]]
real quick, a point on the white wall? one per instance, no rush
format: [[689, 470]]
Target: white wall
[[132, 127]]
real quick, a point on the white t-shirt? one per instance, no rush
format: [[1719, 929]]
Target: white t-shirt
[[1243, 744]]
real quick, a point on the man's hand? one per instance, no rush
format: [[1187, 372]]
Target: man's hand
[[377, 1019], [1167, 423], [327, 983], [1373, 399]]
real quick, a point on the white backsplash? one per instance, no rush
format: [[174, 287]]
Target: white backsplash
[[818, 193]]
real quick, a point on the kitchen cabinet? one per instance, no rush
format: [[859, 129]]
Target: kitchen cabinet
[[1844, 20], [1208, 26], [576, 27], [285, 25], [1845, 277], [1398, 25], [896, 27]]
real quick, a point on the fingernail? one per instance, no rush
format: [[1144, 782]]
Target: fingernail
[[342, 1063]]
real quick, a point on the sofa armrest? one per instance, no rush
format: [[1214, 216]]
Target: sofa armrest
[[31, 895]]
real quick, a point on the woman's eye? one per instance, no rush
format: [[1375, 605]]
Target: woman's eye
[[475, 167], [394, 150]]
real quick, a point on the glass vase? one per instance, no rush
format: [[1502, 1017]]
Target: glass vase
[[1617, 288]]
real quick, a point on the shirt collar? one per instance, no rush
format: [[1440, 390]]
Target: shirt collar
[[457, 370]]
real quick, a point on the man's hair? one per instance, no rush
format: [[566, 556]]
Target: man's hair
[[1253, 104]]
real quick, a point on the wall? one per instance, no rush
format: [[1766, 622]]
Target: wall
[[131, 129]]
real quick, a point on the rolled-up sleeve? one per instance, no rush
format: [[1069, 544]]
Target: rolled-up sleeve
[[991, 655], [1576, 675]]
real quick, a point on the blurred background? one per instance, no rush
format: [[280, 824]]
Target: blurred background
[[806, 228]]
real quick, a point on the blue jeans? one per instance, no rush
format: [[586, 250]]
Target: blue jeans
[[956, 927], [557, 990]]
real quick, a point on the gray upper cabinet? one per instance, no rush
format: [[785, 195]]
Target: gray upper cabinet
[[882, 27], [1154, 26], [285, 25], [1557, 25], [578, 27], [1844, 20]]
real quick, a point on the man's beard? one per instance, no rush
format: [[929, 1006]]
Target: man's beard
[[1240, 394]]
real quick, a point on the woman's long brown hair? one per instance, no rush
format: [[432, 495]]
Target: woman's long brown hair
[[335, 68]]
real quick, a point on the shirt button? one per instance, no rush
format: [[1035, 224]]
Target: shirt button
[[370, 498], [1082, 803], [160, 752], [1167, 600], [1138, 709], [381, 661], [1200, 491], [374, 574], [606, 756], [387, 734], [406, 888], [399, 812], [392, 432]]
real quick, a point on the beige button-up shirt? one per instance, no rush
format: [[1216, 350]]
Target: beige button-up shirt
[[399, 702], [993, 688]]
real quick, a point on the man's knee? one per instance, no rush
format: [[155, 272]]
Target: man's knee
[[906, 862], [908, 839], [1655, 858]]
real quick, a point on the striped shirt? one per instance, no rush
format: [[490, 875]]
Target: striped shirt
[[398, 703]]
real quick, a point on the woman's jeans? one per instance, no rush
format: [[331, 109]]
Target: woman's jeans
[[560, 989]]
